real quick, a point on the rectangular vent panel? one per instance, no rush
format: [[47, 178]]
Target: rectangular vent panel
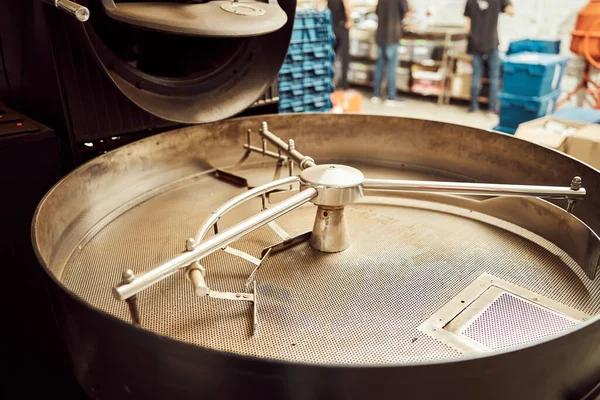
[[511, 321]]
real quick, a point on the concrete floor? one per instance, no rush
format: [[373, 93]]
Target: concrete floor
[[427, 108]]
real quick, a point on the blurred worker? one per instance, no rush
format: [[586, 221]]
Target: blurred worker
[[342, 22], [481, 20], [390, 14]]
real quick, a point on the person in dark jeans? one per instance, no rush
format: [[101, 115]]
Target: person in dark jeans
[[342, 22], [390, 14], [481, 20]]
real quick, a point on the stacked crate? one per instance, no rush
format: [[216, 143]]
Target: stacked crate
[[306, 77], [535, 46], [531, 87]]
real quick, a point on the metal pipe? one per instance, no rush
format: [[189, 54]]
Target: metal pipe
[[150, 277], [75, 10], [474, 189], [302, 160], [267, 153], [225, 208]]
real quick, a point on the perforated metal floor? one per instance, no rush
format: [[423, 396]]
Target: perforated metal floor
[[408, 258]]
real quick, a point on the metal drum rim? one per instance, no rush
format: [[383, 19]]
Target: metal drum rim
[[593, 322]]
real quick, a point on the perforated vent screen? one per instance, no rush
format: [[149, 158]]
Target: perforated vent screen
[[511, 321]]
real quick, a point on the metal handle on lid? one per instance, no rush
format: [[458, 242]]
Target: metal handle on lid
[[75, 10]]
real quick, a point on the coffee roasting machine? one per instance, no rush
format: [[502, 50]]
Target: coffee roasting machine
[[299, 256]]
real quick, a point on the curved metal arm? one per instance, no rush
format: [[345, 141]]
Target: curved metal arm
[[475, 189], [160, 272], [228, 206]]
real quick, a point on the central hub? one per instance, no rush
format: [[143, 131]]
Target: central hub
[[337, 186]]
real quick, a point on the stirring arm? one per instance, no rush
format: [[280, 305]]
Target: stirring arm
[[192, 243], [203, 249], [475, 189]]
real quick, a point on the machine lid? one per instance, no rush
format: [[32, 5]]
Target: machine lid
[[191, 63], [212, 19]]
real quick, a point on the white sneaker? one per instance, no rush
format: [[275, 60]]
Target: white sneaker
[[392, 103], [376, 100]]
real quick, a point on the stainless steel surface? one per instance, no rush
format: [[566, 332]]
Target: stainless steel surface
[[265, 152], [163, 270], [337, 185], [196, 274], [243, 254], [575, 185], [77, 11], [243, 8], [287, 148], [279, 231], [411, 252], [134, 311], [286, 244], [251, 281], [492, 314], [194, 63], [475, 189], [510, 321], [330, 231], [228, 206], [213, 19], [128, 277], [354, 307], [231, 296]]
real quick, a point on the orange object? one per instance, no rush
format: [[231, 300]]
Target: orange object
[[586, 43], [348, 101], [586, 36]]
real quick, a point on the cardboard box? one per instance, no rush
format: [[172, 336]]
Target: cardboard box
[[585, 145], [405, 50], [464, 67], [461, 87], [403, 79], [549, 131], [360, 73], [361, 48]]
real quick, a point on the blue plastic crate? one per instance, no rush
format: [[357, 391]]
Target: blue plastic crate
[[503, 129], [291, 72], [312, 25], [318, 69], [324, 84], [290, 90], [533, 74], [515, 109], [296, 74], [306, 103], [307, 69], [320, 50], [323, 32], [291, 106], [318, 102], [535, 46], [312, 18], [303, 87]]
